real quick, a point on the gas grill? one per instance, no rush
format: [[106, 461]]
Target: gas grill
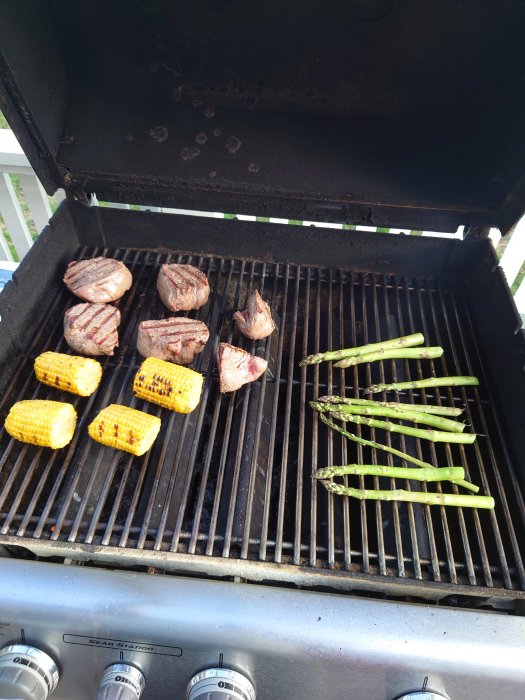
[[216, 560]]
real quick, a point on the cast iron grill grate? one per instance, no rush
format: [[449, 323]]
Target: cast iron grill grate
[[227, 490]]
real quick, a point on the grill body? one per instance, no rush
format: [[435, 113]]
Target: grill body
[[227, 490], [380, 113], [291, 644]]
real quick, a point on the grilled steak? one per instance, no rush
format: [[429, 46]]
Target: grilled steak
[[91, 329], [182, 287], [174, 339], [98, 280], [256, 320], [237, 367]]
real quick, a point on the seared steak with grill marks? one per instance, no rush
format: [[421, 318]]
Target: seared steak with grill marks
[[256, 320], [98, 280], [91, 329], [237, 367], [182, 287], [174, 339]]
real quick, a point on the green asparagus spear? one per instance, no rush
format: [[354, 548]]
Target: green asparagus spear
[[424, 384], [429, 474], [392, 450], [419, 407], [406, 341], [401, 414], [425, 353], [432, 435], [431, 499]]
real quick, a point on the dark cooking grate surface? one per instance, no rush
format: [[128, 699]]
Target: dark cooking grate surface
[[230, 483]]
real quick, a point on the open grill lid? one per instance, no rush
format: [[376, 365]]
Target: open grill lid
[[378, 112]]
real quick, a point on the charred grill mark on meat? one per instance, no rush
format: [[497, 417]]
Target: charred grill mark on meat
[[182, 287], [174, 339], [98, 280], [91, 329]]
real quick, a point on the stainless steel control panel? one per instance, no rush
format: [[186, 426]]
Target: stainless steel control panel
[[166, 637]]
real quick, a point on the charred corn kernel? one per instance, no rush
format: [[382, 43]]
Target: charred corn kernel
[[79, 375], [125, 428], [172, 386], [44, 423]]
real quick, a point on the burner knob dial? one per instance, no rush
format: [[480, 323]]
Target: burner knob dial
[[121, 682], [220, 684], [26, 673], [422, 695]]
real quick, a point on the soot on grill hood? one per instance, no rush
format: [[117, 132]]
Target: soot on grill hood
[[385, 112]]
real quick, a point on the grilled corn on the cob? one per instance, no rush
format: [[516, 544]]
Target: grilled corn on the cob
[[172, 386], [44, 423], [79, 375], [125, 428]]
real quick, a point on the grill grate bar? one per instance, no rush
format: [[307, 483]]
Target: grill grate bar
[[37, 391], [101, 500], [254, 462], [330, 444], [240, 444], [232, 479], [344, 452], [273, 426], [287, 418], [127, 528], [493, 462], [198, 429], [23, 487], [315, 427], [479, 458], [215, 419], [395, 506], [443, 511], [227, 432], [58, 299], [360, 451], [410, 507], [61, 476], [69, 498], [377, 505], [173, 419], [301, 433], [220, 477], [450, 462], [426, 509]]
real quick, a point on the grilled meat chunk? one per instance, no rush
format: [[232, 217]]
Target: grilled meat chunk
[[182, 287], [98, 280], [237, 367], [91, 329], [175, 339], [256, 320]]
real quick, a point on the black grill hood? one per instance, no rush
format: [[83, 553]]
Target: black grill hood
[[380, 112]]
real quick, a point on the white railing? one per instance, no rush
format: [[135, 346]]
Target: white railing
[[31, 202], [19, 238]]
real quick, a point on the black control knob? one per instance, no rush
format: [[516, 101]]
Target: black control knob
[[26, 673], [220, 684], [121, 682]]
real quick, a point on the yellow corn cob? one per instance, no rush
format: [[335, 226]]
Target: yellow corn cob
[[125, 428], [44, 423], [79, 375], [172, 386]]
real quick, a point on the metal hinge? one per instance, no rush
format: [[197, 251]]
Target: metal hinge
[[476, 232]]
